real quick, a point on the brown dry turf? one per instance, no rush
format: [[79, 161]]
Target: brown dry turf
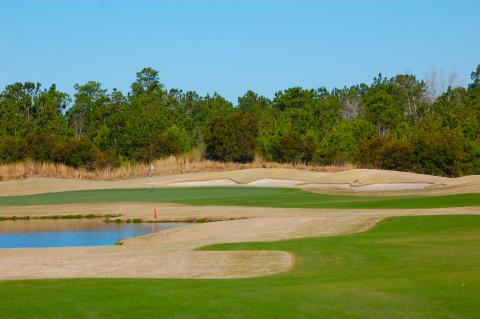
[[438, 185], [172, 253]]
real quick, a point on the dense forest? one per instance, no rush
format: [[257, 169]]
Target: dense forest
[[393, 123]]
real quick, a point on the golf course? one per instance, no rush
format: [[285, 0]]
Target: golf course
[[233, 196], [405, 267], [206, 159], [269, 251]]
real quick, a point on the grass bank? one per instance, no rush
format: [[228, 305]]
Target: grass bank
[[242, 196], [405, 267]]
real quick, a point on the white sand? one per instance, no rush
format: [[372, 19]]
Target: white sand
[[369, 188], [331, 186], [270, 182], [376, 180], [213, 182], [390, 187]]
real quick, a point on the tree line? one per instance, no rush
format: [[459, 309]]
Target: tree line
[[393, 123]]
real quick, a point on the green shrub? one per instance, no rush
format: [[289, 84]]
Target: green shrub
[[80, 153], [13, 149], [442, 151], [40, 146], [232, 138], [292, 147], [341, 144]]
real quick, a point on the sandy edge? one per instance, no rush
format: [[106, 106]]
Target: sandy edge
[[260, 177], [173, 253]]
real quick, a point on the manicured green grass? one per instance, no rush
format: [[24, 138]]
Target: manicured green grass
[[242, 196], [406, 267]]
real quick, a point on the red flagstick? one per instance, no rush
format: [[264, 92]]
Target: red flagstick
[[155, 213]]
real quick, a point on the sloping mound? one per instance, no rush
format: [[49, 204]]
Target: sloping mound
[[270, 177]]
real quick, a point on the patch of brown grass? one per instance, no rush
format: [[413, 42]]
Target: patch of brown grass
[[185, 163]]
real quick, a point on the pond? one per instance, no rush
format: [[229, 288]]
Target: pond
[[72, 232]]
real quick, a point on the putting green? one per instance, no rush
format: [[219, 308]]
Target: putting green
[[405, 267], [242, 196]]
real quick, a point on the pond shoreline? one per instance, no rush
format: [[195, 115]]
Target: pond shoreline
[[42, 233], [118, 218]]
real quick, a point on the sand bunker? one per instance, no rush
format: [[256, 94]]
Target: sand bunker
[[270, 182], [369, 188], [376, 180], [328, 186], [213, 182], [390, 187], [172, 254]]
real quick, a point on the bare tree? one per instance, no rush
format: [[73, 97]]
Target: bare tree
[[437, 83], [351, 106], [77, 122], [351, 100], [454, 80]]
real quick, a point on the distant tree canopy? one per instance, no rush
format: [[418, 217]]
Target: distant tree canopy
[[393, 123], [232, 138]]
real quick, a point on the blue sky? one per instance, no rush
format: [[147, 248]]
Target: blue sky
[[233, 46]]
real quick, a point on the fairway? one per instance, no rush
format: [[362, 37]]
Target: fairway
[[239, 160], [241, 196], [405, 267]]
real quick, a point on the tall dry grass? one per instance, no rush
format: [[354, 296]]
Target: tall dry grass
[[186, 163]]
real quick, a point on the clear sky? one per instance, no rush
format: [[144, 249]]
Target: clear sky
[[233, 46]]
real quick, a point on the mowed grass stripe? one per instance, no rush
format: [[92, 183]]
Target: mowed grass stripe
[[405, 267], [241, 196]]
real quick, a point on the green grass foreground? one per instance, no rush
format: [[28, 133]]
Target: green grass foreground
[[242, 196], [405, 267]]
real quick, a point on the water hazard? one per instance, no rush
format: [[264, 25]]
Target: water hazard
[[72, 232]]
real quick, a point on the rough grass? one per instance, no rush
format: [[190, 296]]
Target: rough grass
[[185, 163], [242, 196], [406, 267]]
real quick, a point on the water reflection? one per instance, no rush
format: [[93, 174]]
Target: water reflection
[[72, 232]]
